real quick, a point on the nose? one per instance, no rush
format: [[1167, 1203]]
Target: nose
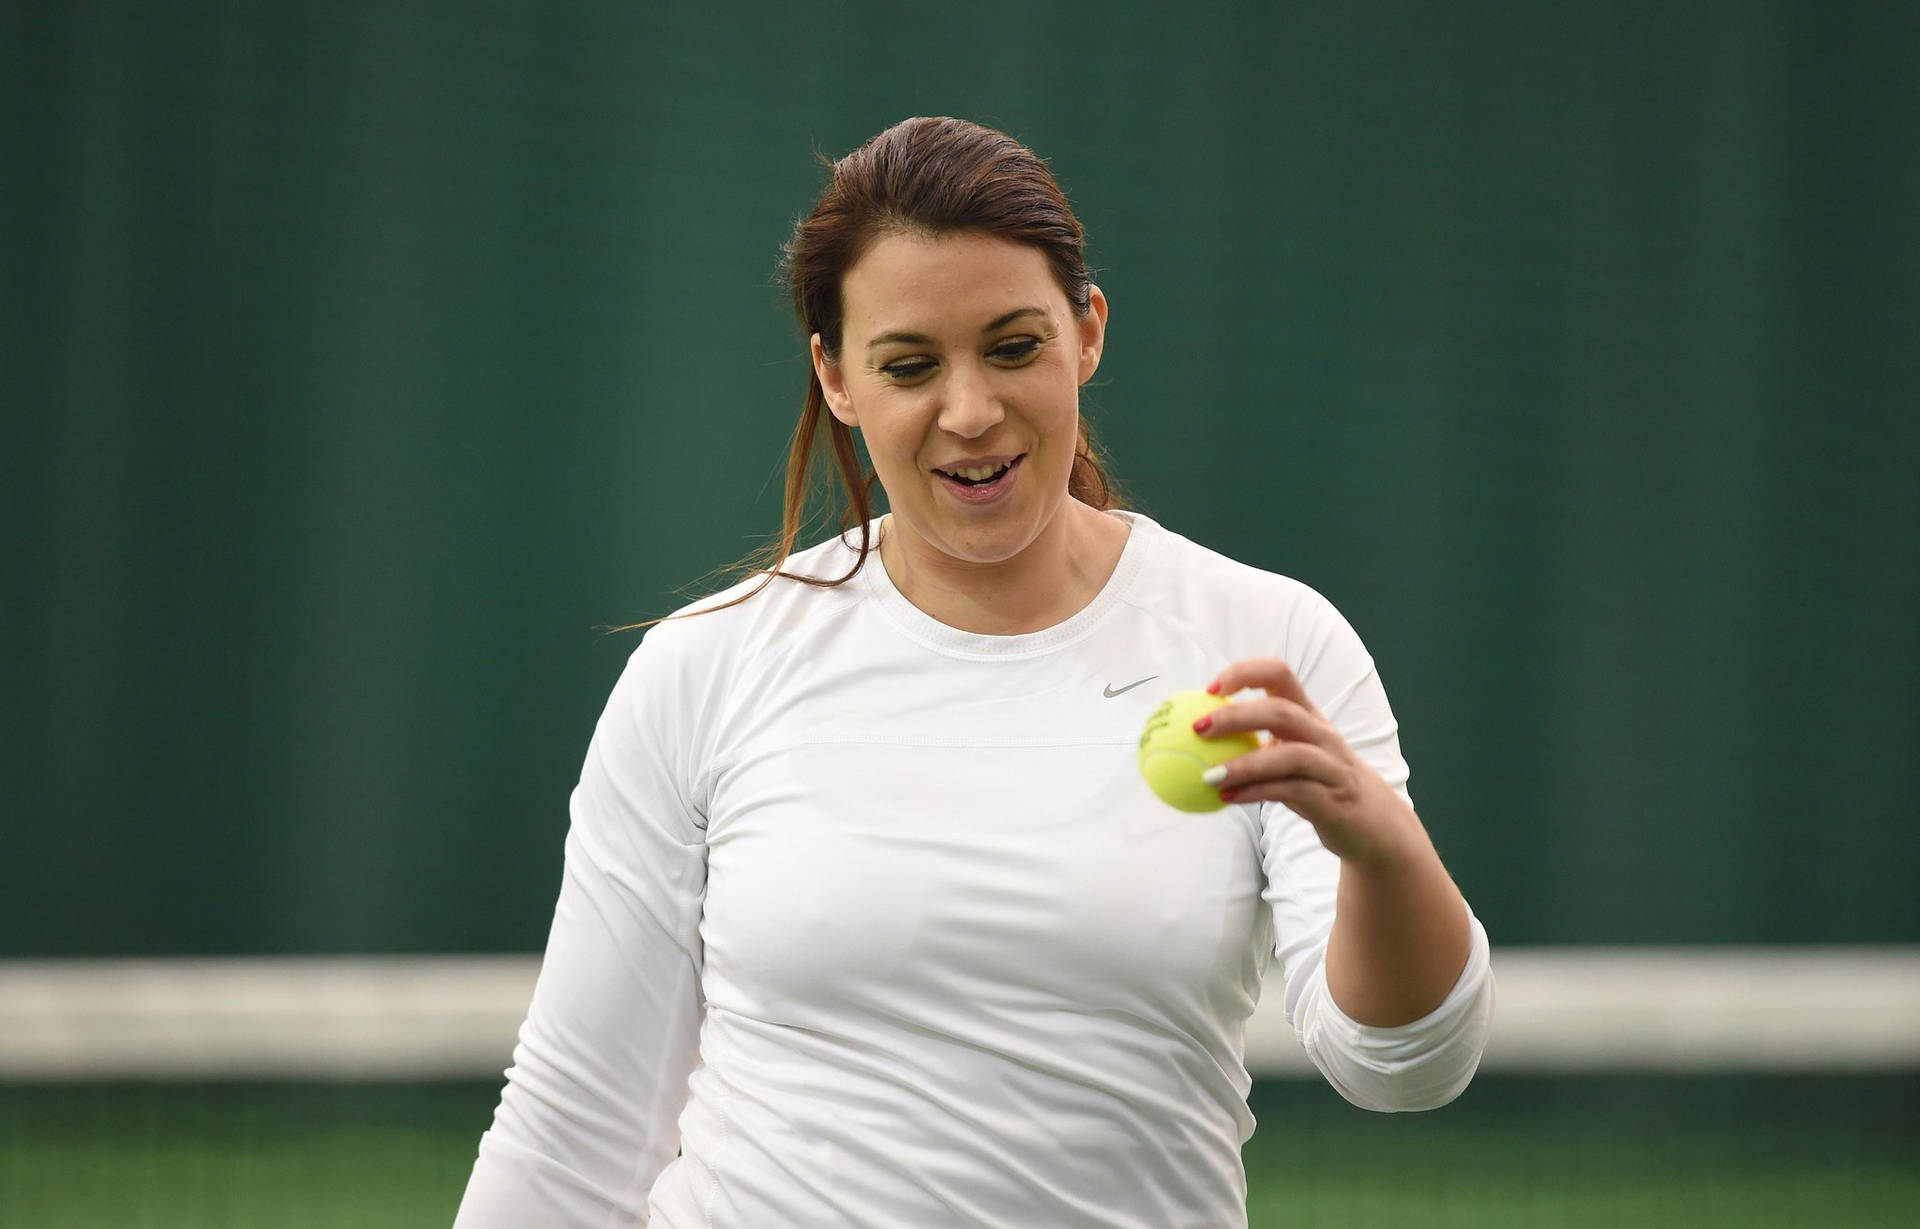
[[971, 406]]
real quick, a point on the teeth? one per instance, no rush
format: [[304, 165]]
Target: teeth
[[980, 474]]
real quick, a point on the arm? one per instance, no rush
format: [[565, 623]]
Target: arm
[[588, 1116], [1401, 932], [1388, 979]]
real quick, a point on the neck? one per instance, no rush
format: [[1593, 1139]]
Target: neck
[[1046, 584]]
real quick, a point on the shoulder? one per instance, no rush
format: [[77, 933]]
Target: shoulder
[[719, 632], [690, 679], [1238, 611], [1247, 610]]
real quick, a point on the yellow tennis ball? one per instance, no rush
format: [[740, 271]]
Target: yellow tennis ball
[[1172, 756]]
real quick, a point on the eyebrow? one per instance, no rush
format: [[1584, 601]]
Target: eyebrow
[[921, 339]]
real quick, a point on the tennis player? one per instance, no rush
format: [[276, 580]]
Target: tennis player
[[867, 919]]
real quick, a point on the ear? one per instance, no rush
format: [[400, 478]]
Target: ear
[[1093, 333], [833, 383]]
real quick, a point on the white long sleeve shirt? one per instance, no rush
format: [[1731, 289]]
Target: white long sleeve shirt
[[873, 922]]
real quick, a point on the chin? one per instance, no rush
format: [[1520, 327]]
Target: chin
[[985, 545], [998, 536]]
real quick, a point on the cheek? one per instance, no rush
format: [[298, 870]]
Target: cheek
[[1056, 406], [891, 429]]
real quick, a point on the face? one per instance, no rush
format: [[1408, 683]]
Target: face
[[961, 364]]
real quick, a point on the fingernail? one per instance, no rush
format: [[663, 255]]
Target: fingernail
[[1202, 724], [1213, 688], [1226, 795], [1214, 775]]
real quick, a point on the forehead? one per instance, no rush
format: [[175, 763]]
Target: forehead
[[917, 283]]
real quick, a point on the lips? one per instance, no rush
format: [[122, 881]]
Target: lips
[[977, 469], [1000, 475]]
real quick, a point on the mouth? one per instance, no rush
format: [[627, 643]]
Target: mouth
[[982, 483]]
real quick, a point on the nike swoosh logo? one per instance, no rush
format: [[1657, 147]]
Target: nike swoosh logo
[[1111, 692]]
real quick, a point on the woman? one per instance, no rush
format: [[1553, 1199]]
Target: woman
[[866, 912]]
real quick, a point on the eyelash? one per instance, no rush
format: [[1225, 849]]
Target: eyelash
[[1014, 350]]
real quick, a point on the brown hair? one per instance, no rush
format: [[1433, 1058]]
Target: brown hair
[[932, 176]]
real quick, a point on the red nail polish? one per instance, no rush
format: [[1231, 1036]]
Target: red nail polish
[[1226, 795], [1202, 724], [1213, 688]]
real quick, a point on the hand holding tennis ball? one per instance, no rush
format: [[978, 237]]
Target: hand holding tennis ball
[[1172, 756]]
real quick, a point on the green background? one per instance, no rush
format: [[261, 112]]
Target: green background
[[358, 361], [1511, 1154]]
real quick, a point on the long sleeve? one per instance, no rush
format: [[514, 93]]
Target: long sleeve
[[1414, 1066], [587, 1119]]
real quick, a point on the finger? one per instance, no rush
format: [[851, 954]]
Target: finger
[[1305, 798], [1270, 674], [1281, 718], [1277, 763]]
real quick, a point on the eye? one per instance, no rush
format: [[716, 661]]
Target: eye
[[906, 370], [1015, 350]]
